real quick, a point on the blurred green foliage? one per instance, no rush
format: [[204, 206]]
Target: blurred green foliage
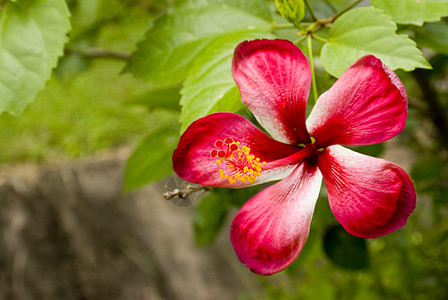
[[83, 107], [89, 105]]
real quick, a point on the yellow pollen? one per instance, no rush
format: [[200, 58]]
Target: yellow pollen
[[241, 165]]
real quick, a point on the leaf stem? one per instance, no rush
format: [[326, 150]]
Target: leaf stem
[[313, 74], [310, 9], [320, 39], [299, 40]]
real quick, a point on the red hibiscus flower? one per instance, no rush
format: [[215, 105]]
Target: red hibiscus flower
[[370, 197]]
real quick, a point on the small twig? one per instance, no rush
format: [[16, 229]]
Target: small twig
[[98, 53], [317, 24], [346, 9], [184, 193], [310, 10]]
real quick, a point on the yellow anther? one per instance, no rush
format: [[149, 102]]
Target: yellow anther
[[242, 165]]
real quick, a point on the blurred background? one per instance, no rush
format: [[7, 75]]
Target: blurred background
[[72, 229]]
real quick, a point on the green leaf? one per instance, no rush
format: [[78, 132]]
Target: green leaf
[[165, 97], [151, 160], [414, 12], [230, 102], [210, 86], [367, 30], [180, 35], [346, 250], [427, 172], [213, 209], [428, 168], [32, 36], [374, 150], [87, 13], [237, 197], [433, 36], [210, 215]]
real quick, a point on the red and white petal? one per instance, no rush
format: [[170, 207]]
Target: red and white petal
[[274, 80], [369, 196], [366, 105], [271, 229], [192, 160]]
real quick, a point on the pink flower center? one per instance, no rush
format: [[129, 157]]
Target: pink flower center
[[307, 152], [310, 151], [237, 162]]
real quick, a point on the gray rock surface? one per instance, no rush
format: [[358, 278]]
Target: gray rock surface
[[68, 232]]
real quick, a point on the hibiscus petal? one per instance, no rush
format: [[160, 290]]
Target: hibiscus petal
[[274, 80], [369, 196], [366, 105], [271, 229], [192, 160]]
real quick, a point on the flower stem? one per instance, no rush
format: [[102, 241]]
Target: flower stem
[[313, 74]]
